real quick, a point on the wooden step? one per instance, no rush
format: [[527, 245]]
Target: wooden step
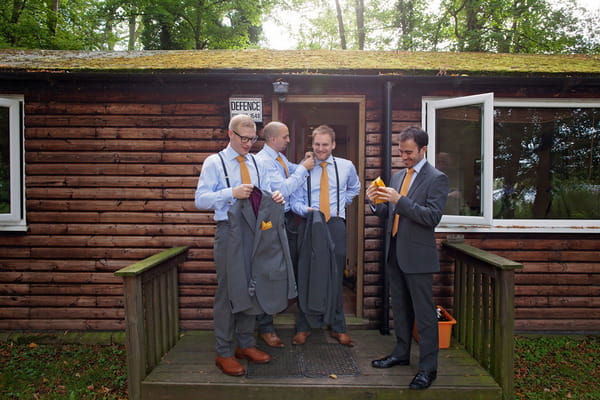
[[188, 372]]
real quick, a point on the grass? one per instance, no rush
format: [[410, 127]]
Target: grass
[[557, 367], [547, 367], [68, 371]]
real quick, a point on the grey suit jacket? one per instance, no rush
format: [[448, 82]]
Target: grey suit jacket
[[259, 268], [420, 211]]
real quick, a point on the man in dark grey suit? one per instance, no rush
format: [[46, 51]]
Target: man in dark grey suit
[[413, 204]]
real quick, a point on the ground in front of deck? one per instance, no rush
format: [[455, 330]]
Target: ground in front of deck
[[188, 372]]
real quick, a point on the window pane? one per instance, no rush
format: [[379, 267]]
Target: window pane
[[4, 161], [458, 153], [546, 163]]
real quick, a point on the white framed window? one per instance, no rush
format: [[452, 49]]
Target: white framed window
[[12, 170], [544, 158]]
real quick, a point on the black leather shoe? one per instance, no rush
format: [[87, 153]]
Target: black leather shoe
[[423, 380], [389, 361]]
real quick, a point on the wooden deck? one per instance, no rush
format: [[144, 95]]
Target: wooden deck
[[188, 372]]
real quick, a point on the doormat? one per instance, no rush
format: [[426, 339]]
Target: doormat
[[314, 359]]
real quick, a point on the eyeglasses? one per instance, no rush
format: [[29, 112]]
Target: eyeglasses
[[245, 139]]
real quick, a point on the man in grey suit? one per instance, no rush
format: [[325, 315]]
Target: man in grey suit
[[226, 177], [413, 205]]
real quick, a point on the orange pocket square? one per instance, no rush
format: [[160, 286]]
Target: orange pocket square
[[379, 183], [266, 225]]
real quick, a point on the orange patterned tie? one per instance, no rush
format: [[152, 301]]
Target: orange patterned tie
[[244, 170], [285, 168], [324, 192], [403, 192]]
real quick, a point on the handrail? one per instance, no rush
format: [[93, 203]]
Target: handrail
[[151, 312], [484, 291]]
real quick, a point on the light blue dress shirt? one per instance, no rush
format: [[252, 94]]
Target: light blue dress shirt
[[417, 169], [212, 192], [349, 187], [286, 186]]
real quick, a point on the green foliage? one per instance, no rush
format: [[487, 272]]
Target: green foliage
[[227, 24], [30, 24], [505, 26], [131, 24]]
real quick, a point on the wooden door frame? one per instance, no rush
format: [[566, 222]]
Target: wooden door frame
[[360, 100]]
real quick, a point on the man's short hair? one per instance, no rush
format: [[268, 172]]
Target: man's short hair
[[324, 130], [272, 128], [417, 134], [242, 120]]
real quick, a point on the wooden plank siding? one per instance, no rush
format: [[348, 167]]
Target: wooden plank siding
[[111, 170], [110, 178]]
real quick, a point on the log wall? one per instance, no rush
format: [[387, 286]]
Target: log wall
[[111, 170]]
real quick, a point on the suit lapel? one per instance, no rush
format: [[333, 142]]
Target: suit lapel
[[419, 179], [248, 215], [262, 215]]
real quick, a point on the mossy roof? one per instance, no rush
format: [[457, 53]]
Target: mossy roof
[[346, 62]]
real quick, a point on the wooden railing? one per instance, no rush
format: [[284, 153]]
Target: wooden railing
[[484, 309], [151, 313]]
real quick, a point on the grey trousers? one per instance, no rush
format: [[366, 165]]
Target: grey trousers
[[229, 327], [412, 302]]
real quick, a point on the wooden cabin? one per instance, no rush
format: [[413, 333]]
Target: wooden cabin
[[101, 153]]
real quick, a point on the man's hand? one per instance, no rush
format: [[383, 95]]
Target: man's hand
[[371, 193], [309, 161], [278, 197], [388, 194], [243, 191]]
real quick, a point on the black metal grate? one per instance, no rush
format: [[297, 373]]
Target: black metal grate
[[315, 359]]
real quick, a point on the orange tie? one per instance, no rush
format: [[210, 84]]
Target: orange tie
[[244, 170], [324, 192], [285, 168], [403, 192]]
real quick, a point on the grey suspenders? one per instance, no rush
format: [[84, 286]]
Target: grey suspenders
[[337, 181], [227, 175]]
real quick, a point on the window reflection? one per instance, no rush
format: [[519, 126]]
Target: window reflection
[[546, 163], [4, 161], [459, 154]]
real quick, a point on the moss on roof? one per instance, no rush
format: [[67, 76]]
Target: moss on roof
[[301, 61]]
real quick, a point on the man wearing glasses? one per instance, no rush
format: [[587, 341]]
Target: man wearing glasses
[[226, 177]]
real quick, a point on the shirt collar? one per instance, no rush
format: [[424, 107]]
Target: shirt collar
[[230, 153], [329, 160], [420, 165], [270, 151]]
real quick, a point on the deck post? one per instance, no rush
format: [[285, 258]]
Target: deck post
[[135, 336]]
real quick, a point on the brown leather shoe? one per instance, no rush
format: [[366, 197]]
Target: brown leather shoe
[[300, 337], [230, 366], [343, 338], [253, 355], [272, 339]]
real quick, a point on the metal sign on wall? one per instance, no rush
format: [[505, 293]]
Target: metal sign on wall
[[249, 105]]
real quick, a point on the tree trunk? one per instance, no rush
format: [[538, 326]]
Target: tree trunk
[[543, 181], [340, 19], [53, 16], [360, 23], [132, 29]]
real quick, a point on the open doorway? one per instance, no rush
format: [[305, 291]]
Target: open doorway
[[346, 115]]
